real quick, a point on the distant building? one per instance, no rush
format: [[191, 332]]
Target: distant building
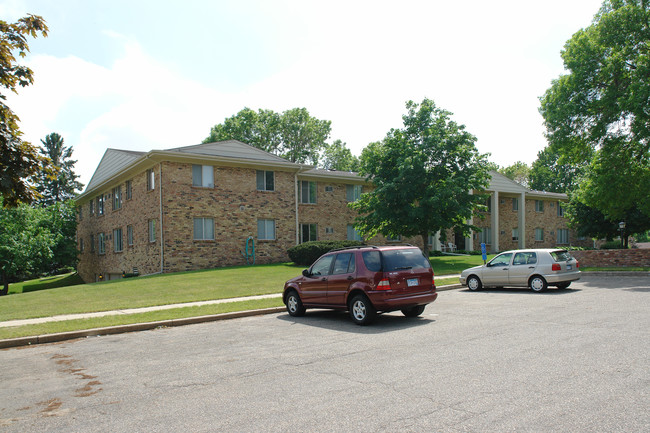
[[195, 207]]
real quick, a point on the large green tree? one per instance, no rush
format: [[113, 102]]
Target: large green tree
[[549, 173], [597, 114], [19, 160], [337, 156], [424, 175], [26, 242], [63, 184], [294, 135], [518, 172]]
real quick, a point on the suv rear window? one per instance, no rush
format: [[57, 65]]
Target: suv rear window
[[411, 258], [561, 256]]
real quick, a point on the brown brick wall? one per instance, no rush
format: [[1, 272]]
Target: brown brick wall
[[613, 258]]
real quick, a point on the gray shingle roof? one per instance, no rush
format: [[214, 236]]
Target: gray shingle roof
[[113, 161], [229, 149]]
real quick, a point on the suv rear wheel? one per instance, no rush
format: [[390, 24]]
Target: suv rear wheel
[[361, 310], [413, 311]]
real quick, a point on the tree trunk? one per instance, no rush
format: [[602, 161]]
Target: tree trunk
[[5, 285], [425, 242]]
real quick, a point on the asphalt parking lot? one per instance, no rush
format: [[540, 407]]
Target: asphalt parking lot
[[497, 360]]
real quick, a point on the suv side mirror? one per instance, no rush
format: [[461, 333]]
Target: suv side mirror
[[306, 273]]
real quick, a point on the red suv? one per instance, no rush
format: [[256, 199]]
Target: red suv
[[364, 280]]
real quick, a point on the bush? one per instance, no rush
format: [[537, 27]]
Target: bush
[[611, 245], [305, 254]]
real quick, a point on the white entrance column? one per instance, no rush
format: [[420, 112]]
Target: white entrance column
[[495, 221], [469, 241], [522, 220]]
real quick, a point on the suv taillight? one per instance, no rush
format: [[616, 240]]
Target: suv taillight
[[383, 284], [556, 267]]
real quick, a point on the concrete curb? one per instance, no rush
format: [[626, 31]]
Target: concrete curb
[[72, 335], [63, 336]]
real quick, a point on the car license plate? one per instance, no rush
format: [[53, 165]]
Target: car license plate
[[412, 282], [569, 267]]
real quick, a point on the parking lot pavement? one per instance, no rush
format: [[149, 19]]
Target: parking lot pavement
[[497, 360]]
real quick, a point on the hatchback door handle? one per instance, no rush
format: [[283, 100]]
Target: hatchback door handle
[[531, 267]]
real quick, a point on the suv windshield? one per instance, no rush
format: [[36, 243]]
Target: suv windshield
[[411, 258], [561, 256]]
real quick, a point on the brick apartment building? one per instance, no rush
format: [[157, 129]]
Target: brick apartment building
[[199, 207]]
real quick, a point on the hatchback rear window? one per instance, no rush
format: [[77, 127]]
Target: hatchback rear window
[[396, 260], [561, 256]]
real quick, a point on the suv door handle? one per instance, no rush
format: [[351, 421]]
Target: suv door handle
[[350, 278], [323, 279]]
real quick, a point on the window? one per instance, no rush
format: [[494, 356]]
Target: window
[[92, 243], [562, 236], [515, 234], [329, 188], [322, 266], [515, 204], [539, 206], [265, 180], [485, 236], [266, 230], [100, 205], [129, 235], [488, 203], [329, 230], [353, 234], [117, 240], [117, 197], [307, 192], [203, 175], [308, 232], [101, 246], [151, 180], [560, 209], [129, 189], [528, 258], [152, 230], [501, 260], [91, 205], [353, 192], [372, 260], [203, 229], [344, 264], [539, 235]]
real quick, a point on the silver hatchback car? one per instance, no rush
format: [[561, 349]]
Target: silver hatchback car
[[535, 268]]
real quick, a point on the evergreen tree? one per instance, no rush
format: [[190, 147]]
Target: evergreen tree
[[63, 184]]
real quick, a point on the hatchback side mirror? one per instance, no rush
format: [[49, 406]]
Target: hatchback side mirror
[[306, 273]]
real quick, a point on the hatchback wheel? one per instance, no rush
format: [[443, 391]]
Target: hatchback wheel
[[294, 304], [473, 283], [361, 310], [538, 283], [413, 311]]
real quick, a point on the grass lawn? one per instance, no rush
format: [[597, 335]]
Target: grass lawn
[[449, 265], [63, 280]]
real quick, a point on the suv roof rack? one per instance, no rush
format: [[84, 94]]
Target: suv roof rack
[[353, 247]]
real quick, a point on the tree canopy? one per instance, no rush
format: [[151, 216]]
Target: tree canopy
[[518, 172], [597, 114], [549, 173], [337, 156], [293, 135], [423, 174], [19, 160], [63, 184]]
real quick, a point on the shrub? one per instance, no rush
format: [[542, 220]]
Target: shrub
[[611, 245], [306, 253]]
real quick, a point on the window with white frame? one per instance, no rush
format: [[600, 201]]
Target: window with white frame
[[117, 197], [152, 230], [562, 236], [91, 205], [560, 209], [266, 230], [101, 246], [353, 192], [539, 206], [515, 234], [353, 234], [485, 236], [129, 235], [265, 180], [151, 179], [203, 229], [539, 235], [308, 232], [117, 240], [203, 176], [307, 192], [100, 205], [329, 230]]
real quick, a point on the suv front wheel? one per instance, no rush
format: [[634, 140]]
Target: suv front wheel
[[362, 310]]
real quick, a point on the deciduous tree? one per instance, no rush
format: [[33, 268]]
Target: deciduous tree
[[337, 156], [518, 172], [424, 175]]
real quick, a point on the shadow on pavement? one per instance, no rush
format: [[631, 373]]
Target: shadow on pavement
[[341, 321], [551, 291]]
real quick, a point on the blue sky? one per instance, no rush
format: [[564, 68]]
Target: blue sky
[[145, 75]]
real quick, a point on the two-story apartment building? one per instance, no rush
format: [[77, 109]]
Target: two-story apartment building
[[201, 206]]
